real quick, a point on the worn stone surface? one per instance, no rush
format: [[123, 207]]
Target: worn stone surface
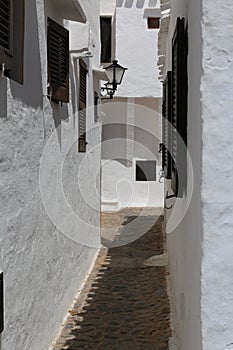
[[124, 304]]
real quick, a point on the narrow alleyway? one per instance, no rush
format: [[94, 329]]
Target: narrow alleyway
[[124, 304]]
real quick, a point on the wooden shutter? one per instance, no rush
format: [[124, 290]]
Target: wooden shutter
[[12, 20], [6, 34], [166, 126], [106, 39], [179, 107], [82, 105], [58, 62]]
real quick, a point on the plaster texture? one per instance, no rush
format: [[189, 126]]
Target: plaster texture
[[216, 87], [185, 241], [131, 132], [41, 264], [200, 248], [136, 48]]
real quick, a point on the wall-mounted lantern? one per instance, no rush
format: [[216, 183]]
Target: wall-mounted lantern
[[115, 73]]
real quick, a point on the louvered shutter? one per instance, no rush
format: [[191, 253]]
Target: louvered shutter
[[179, 107], [166, 126], [82, 105], [58, 62], [6, 34], [12, 38]]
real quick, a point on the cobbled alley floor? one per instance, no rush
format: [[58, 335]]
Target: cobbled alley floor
[[124, 304]]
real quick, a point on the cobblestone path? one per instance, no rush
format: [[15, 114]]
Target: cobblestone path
[[124, 304]]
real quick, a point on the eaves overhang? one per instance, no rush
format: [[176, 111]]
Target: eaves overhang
[[71, 10]]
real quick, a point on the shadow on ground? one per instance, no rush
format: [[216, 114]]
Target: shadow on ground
[[124, 304]]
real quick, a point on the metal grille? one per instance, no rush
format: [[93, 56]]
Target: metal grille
[[5, 15]]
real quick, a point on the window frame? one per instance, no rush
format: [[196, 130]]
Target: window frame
[[102, 58]]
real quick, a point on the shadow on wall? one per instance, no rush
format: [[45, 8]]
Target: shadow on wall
[[60, 113], [30, 93], [3, 97], [139, 3], [74, 72]]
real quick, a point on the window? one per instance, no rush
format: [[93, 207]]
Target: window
[[179, 110], [82, 105], [12, 38], [96, 103], [166, 126], [106, 39], [145, 170], [153, 22], [58, 62]]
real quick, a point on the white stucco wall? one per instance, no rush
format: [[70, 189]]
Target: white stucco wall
[[200, 249], [136, 48], [217, 182], [184, 243], [131, 132], [43, 269], [107, 7]]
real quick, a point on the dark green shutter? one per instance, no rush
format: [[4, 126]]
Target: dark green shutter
[[82, 105], [12, 13], [179, 108], [166, 126], [58, 62]]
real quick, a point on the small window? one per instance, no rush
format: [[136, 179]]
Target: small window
[[12, 38], [146, 170], [58, 62], [82, 105], [106, 39], [153, 22], [96, 103]]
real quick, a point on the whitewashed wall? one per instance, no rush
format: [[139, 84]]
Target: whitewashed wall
[[131, 132], [135, 47], [217, 181], [200, 249], [184, 243], [43, 269]]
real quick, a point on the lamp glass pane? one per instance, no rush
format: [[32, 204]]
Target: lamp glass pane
[[109, 73], [119, 75]]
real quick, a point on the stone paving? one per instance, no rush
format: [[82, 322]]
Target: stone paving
[[124, 304]]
